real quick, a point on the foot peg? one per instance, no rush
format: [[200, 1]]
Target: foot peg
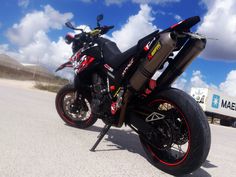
[[100, 136]]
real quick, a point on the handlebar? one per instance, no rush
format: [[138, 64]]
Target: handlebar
[[86, 38], [104, 29], [69, 25]]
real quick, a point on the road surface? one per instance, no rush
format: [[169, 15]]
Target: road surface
[[34, 142]]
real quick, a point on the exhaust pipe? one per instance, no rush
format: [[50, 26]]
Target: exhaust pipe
[[155, 58], [191, 49]]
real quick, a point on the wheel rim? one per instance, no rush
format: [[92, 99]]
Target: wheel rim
[[173, 145], [66, 100]]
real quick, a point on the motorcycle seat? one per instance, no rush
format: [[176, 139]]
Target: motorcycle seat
[[112, 54], [114, 57]]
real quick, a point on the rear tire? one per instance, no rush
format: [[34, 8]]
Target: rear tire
[[64, 98], [191, 120]]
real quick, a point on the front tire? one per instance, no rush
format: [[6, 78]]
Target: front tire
[[65, 97], [184, 126]]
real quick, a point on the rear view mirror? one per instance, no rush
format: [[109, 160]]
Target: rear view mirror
[[69, 25], [99, 18]]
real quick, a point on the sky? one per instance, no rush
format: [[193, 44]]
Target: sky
[[32, 31]]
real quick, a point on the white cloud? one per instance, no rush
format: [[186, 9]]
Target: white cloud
[[23, 33], [162, 2], [23, 3], [44, 51], [3, 48], [32, 42], [88, 1], [207, 3], [117, 2], [229, 85], [220, 23], [136, 27], [159, 2], [180, 83], [196, 80], [178, 17]]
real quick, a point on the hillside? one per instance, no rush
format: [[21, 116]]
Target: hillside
[[11, 68]]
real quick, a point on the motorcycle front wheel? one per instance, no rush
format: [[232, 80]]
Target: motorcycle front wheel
[[180, 140], [81, 118]]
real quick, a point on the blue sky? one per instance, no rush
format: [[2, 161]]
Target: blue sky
[[32, 31]]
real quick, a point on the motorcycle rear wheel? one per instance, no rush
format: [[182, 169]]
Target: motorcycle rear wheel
[[64, 99], [182, 139]]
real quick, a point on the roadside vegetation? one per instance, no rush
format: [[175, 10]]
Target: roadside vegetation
[[52, 85]]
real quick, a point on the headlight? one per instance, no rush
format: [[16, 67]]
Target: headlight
[[69, 38]]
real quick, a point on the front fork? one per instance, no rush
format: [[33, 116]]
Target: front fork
[[78, 102]]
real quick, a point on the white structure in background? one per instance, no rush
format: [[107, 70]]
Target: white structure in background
[[216, 105]]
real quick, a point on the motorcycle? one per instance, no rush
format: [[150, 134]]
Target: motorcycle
[[118, 87]]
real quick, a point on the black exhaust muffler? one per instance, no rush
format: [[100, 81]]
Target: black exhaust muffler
[[155, 58], [177, 66]]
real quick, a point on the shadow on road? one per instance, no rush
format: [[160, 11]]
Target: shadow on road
[[121, 140], [201, 172], [208, 164], [198, 173], [128, 140]]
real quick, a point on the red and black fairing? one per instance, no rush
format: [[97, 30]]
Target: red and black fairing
[[83, 60]]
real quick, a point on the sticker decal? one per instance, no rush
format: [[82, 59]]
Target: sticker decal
[[154, 116], [108, 67], [111, 75], [127, 67], [215, 101], [148, 45], [154, 51]]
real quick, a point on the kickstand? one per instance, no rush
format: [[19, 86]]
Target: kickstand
[[100, 136]]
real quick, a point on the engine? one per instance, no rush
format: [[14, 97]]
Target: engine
[[101, 102]]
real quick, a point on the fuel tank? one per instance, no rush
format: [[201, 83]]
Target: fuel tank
[[162, 48]]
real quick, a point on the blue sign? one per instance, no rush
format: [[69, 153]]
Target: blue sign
[[215, 101]]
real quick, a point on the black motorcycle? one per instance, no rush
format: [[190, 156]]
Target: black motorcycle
[[118, 88]]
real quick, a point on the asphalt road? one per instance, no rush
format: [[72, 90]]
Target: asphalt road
[[34, 142]]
